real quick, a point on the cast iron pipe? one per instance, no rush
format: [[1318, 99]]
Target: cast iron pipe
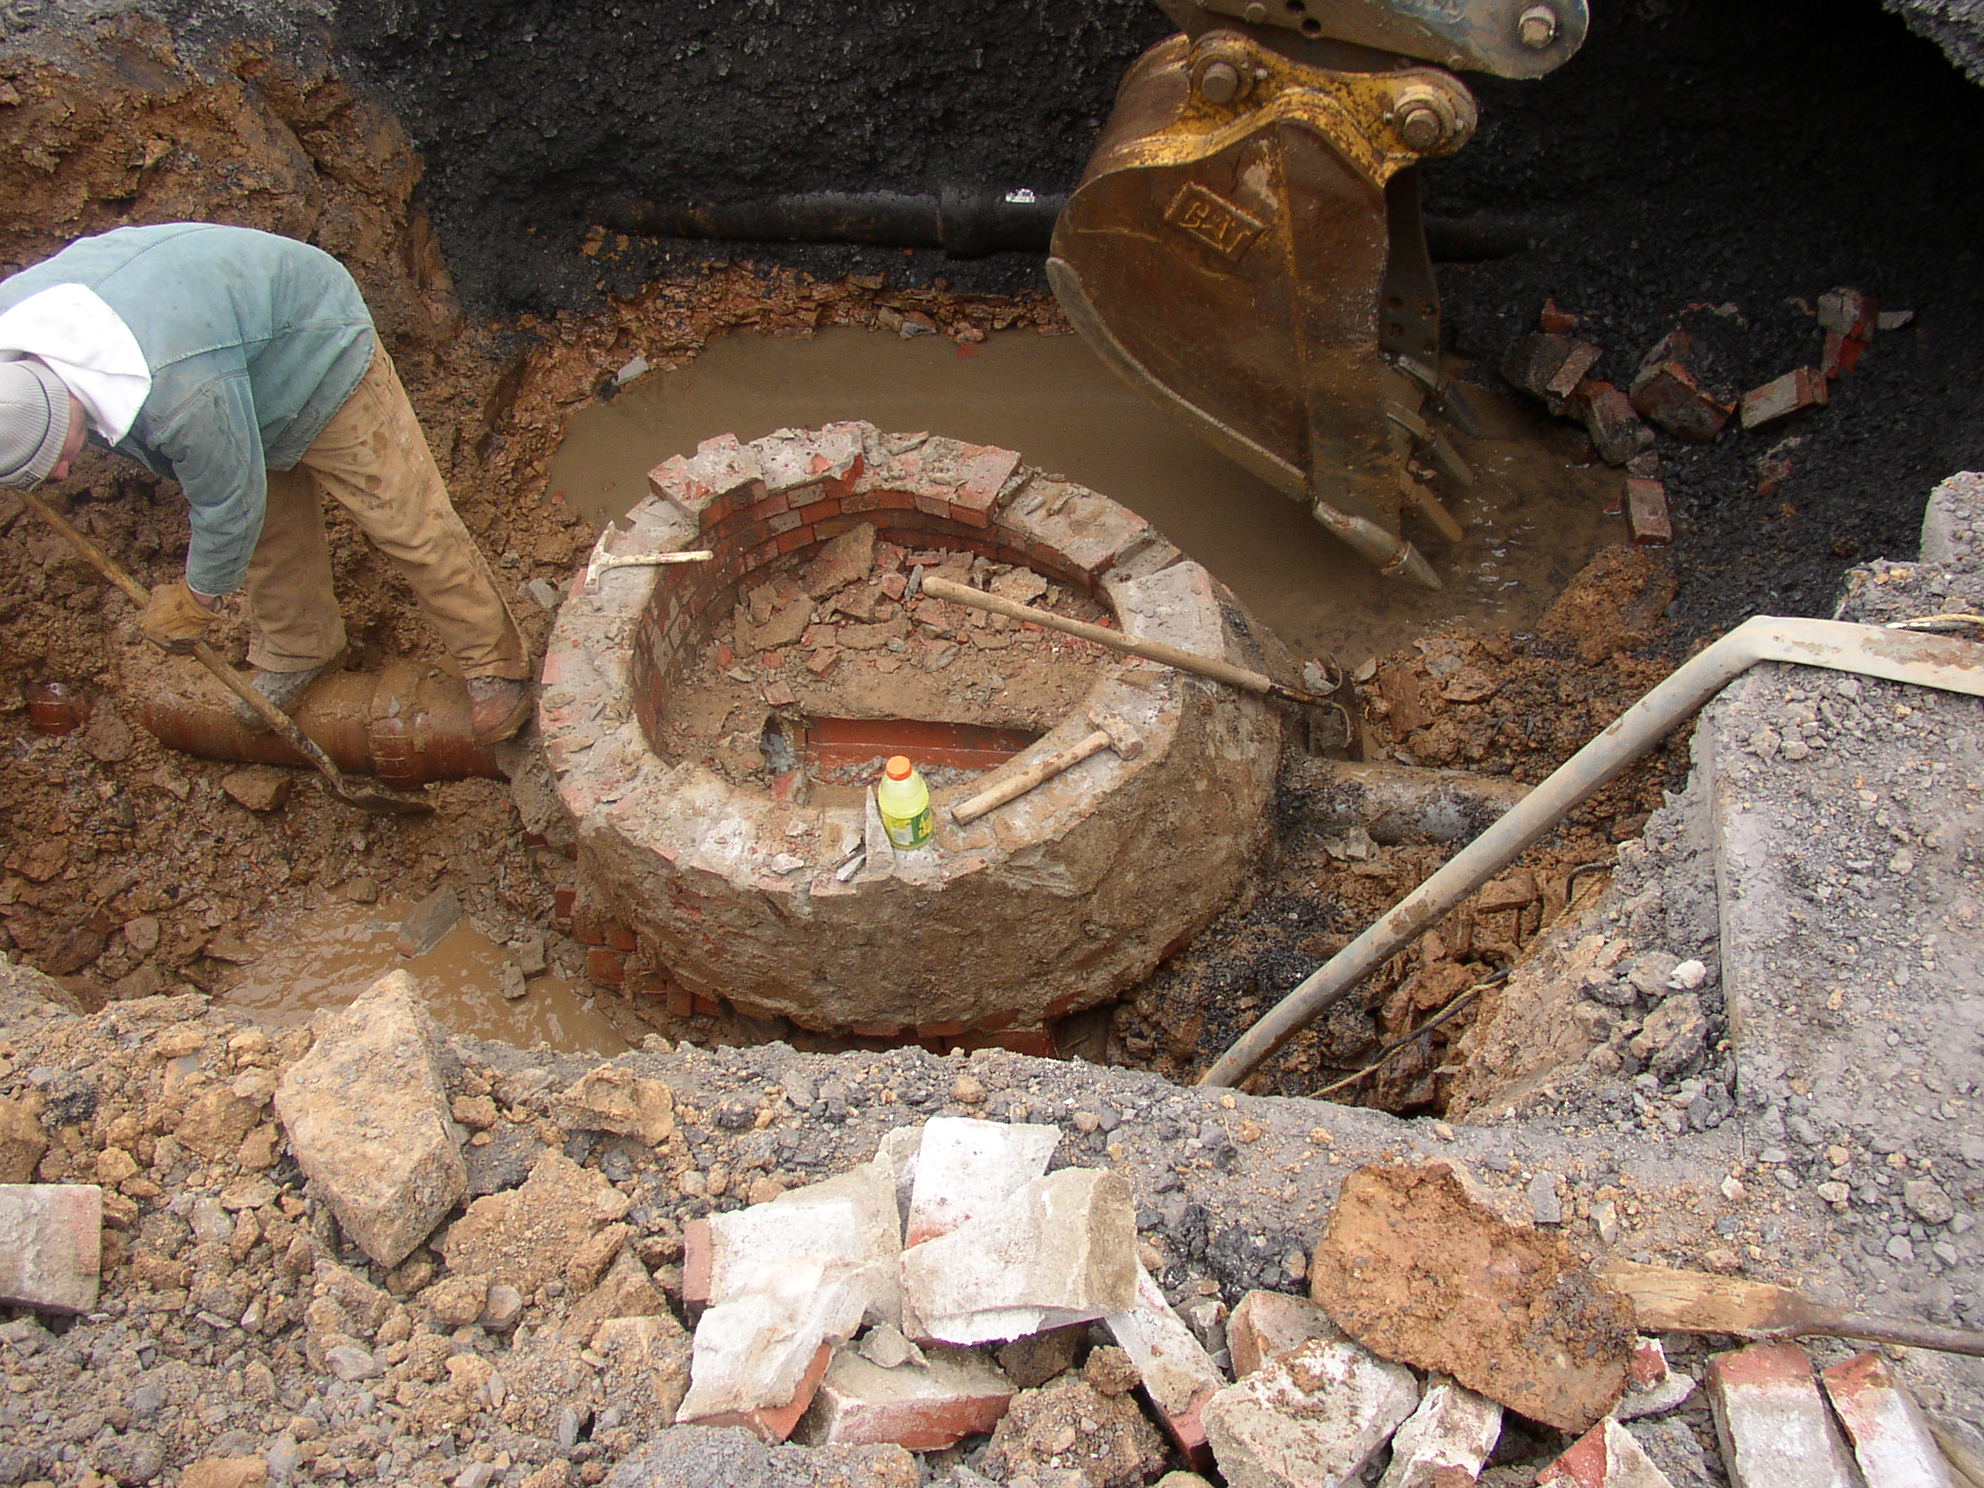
[[408, 725], [1870, 650], [969, 223]]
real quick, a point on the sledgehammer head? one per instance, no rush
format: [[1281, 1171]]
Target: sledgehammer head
[[1126, 741]]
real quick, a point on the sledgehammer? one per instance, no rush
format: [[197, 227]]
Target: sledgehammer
[[1109, 733]]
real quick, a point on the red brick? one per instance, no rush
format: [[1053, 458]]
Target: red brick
[[939, 1030], [1668, 395], [819, 510], [1556, 322], [1841, 354], [1890, 1435], [708, 1007], [561, 908], [619, 937], [1646, 512], [680, 1003], [605, 967], [1604, 1457], [698, 1260], [775, 1424], [1780, 398], [792, 542], [876, 1030]]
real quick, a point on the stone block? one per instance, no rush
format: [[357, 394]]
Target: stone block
[[1605, 1457], [1453, 1428], [1270, 1323], [51, 1245], [1781, 397], [1772, 1422], [366, 1111], [612, 1099], [1891, 1438], [848, 1225], [953, 1393], [1179, 1376], [965, 1167], [1313, 1417], [1061, 1250]]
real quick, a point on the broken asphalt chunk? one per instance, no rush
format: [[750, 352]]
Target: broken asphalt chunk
[[1416, 1270], [1060, 1250], [51, 1245]]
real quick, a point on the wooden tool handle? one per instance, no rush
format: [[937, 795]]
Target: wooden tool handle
[[1831, 1324], [1018, 784], [1186, 661]]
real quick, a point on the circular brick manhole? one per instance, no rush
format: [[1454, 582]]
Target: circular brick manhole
[[775, 891]]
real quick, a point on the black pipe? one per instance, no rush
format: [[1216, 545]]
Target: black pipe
[[969, 223]]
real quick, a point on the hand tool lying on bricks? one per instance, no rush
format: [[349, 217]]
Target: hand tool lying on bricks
[[365, 798], [1214, 667], [1672, 1301], [1109, 734], [599, 563]]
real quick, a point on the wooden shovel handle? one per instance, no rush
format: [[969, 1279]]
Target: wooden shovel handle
[[1830, 1324], [1020, 782], [1214, 667]]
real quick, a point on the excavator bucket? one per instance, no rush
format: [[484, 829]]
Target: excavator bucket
[[1246, 248]]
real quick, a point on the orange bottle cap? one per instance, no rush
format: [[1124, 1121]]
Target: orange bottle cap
[[899, 767]]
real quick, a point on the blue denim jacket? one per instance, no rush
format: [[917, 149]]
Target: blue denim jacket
[[253, 342]]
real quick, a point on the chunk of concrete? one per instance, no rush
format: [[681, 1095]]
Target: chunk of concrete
[[51, 1245], [1891, 1439], [1060, 1250], [1605, 1457], [1179, 1376], [758, 1359], [612, 1099], [849, 1224], [366, 1111], [1270, 1323], [925, 1407], [1772, 1423], [1453, 1428], [1315, 1416], [965, 1167]]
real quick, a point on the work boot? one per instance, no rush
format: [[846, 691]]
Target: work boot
[[284, 689], [497, 707]]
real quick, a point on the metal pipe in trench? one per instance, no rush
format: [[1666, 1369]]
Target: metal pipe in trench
[[969, 223], [1870, 650], [407, 725]]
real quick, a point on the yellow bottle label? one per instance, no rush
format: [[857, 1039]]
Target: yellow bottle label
[[909, 831]]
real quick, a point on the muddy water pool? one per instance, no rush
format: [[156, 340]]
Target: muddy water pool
[[1535, 514], [329, 955]]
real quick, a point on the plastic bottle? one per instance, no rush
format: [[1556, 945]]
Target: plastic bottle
[[904, 801]]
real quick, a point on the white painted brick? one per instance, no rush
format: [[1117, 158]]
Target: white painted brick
[[1313, 1417], [1179, 1375], [51, 1245], [1453, 1427], [1268, 1323], [1060, 1250], [1890, 1438], [1774, 1427], [965, 1167], [925, 1407]]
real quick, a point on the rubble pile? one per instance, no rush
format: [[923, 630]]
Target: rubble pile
[[851, 635], [365, 1251], [1678, 388]]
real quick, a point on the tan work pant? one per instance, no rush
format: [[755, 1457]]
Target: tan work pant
[[374, 461]]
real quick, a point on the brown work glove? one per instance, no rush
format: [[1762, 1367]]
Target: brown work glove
[[175, 618]]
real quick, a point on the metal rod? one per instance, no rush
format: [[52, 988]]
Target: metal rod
[[1869, 650]]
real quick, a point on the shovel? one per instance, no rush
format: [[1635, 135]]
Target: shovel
[[375, 799], [1694, 1302]]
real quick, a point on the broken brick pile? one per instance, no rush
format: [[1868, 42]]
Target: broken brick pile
[[730, 891], [1671, 393]]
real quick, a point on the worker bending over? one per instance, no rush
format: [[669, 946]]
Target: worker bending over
[[245, 367]]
